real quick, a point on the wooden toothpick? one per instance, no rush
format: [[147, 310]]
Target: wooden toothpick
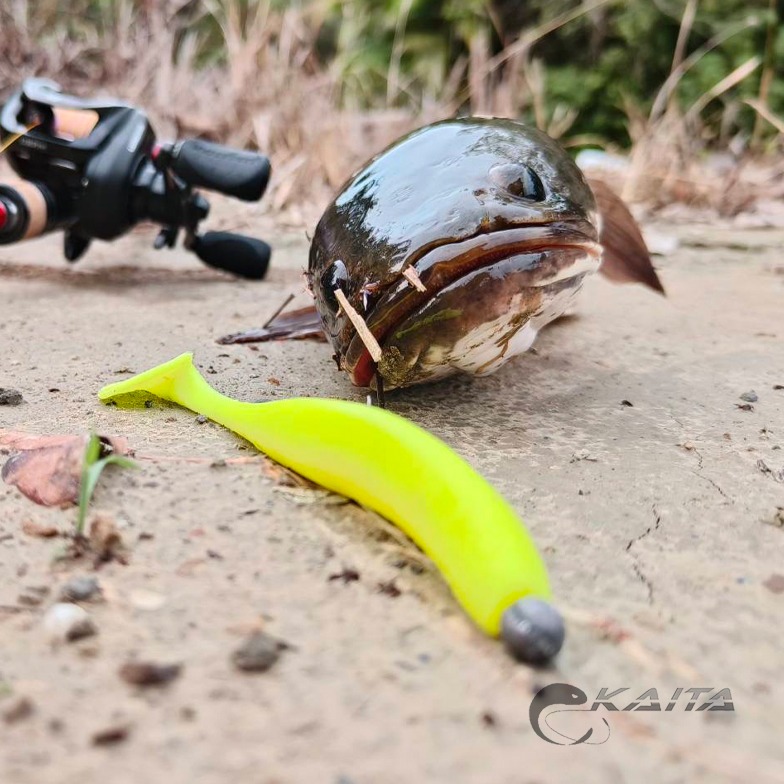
[[410, 274], [367, 337]]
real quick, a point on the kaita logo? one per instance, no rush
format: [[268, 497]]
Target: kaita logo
[[557, 695], [572, 725]]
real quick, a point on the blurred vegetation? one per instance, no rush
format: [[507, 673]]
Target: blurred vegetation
[[320, 85], [579, 67], [593, 70]]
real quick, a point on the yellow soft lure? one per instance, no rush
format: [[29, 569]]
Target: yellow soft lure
[[404, 473]]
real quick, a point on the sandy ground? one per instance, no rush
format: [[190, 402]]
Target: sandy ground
[[657, 521]]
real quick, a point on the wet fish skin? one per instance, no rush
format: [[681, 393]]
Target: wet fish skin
[[449, 200], [456, 245]]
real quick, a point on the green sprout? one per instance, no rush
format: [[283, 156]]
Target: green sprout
[[95, 460]]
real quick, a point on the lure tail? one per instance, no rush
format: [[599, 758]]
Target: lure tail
[[178, 381]]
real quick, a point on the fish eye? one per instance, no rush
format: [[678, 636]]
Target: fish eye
[[518, 180], [334, 277]]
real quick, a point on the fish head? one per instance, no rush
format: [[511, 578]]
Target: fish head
[[455, 245]]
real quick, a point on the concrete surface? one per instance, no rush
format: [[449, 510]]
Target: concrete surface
[[657, 520]]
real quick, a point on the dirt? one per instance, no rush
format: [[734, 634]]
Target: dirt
[[620, 441]]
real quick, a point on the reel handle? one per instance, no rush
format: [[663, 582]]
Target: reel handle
[[238, 173], [243, 256]]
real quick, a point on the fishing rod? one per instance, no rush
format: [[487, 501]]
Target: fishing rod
[[94, 169]]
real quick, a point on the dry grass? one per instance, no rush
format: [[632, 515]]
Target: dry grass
[[668, 159], [268, 92], [271, 91]]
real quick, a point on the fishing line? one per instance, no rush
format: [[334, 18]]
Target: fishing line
[[15, 137]]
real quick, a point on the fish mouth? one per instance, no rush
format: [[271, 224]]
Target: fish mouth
[[539, 254]]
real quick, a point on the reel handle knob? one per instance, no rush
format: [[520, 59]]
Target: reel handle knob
[[243, 256]]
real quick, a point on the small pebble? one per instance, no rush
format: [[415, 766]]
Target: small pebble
[[110, 735], [775, 583], [146, 600], [258, 653], [10, 397], [389, 588], [66, 622], [201, 419], [21, 708], [146, 673], [750, 397], [80, 589], [33, 595], [346, 575]]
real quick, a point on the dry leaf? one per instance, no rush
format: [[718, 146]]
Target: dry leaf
[[48, 469], [105, 540], [43, 530], [148, 673], [285, 477]]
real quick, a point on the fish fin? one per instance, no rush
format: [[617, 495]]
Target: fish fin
[[290, 325], [626, 258]]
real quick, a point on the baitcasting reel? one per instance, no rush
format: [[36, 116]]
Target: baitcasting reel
[[94, 169]]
